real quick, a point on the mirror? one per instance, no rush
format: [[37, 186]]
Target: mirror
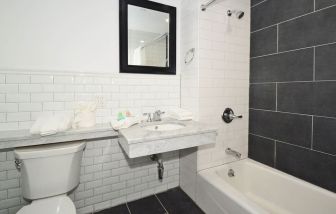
[[147, 37]]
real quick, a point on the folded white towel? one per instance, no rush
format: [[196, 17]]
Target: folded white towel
[[180, 114], [125, 123], [48, 124]]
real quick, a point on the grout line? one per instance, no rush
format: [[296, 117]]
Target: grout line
[[297, 17], [276, 96], [275, 153], [314, 64], [258, 3], [287, 143], [161, 203], [128, 208], [300, 114], [288, 82], [312, 134], [292, 50], [314, 5], [277, 38]]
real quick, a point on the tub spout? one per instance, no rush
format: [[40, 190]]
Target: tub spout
[[233, 152]]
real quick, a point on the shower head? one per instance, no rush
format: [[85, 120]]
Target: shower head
[[238, 13]]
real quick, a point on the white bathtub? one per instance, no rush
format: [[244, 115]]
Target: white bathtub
[[259, 189]]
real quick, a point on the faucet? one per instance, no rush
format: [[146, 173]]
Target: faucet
[[157, 115], [233, 152]]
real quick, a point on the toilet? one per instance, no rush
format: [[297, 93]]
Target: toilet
[[48, 173]]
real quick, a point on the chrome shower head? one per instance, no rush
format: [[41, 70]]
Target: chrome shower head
[[238, 13]]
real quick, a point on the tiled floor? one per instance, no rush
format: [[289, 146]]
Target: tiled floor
[[174, 201]]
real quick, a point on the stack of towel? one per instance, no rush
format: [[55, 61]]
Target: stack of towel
[[48, 124], [180, 114]]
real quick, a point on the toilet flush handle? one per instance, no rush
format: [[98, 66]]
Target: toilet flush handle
[[18, 164]]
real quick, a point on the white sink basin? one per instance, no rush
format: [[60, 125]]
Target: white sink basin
[[165, 127]]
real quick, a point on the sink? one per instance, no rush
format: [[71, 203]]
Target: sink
[[165, 136], [165, 127]]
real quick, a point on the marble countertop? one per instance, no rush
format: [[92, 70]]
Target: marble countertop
[[137, 133], [20, 138]]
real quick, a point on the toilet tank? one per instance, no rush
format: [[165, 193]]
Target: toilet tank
[[49, 170]]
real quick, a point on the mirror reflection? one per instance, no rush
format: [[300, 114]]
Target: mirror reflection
[[148, 37]]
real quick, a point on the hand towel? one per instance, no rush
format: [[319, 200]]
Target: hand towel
[[180, 114]]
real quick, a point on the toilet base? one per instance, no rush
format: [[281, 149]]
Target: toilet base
[[61, 204]]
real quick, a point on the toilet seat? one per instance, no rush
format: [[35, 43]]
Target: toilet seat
[[53, 205]]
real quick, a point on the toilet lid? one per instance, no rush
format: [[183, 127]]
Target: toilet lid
[[52, 205]]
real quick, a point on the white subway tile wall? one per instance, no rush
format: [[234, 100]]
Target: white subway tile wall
[[108, 178], [217, 78], [224, 49], [24, 96]]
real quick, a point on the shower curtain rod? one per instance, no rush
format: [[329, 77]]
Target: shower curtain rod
[[206, 5]]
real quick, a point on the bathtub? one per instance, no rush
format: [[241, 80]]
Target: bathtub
[[258, 189]]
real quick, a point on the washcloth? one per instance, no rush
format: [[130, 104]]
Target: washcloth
[[180, 114], [124, 120]]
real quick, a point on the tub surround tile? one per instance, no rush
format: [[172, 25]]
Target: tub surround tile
[[324, 99], [296, 97], [313, 29], [264, 42], [325, 135], [291, 66], [262, 96], [324, 3], [303, 70], [325, 62], [261, 150], [291, 128], [273, 11], [308, 165]]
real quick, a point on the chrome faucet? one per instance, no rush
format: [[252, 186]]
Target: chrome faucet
[[149, 118], [233, 152], [157, 115]]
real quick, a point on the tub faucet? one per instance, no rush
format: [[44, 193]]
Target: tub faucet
[[233, 152]]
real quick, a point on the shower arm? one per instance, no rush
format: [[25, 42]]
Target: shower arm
[[206, 5]]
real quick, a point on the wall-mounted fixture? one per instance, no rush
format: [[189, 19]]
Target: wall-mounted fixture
[[206, 5], [189, 56], [237, 13], [228, 115]]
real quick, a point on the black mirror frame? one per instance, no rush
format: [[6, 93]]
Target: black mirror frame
[[123, 38]]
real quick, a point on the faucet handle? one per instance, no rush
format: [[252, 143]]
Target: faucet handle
[[159, 112], [149, 118]]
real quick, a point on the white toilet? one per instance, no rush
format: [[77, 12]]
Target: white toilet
[[48, 173]]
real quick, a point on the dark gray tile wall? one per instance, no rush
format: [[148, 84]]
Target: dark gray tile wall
[[293, 88]]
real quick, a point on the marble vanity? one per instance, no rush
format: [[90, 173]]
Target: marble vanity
[[139, 140], [152, 138]]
